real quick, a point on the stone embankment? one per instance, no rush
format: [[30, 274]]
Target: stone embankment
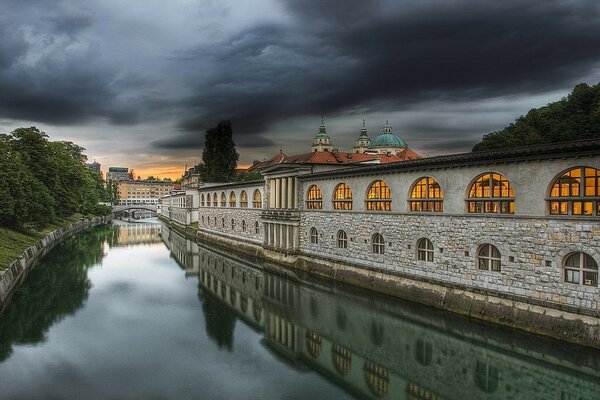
[[17, 271]]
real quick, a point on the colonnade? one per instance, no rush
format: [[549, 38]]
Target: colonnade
[[282, 193], [280, 235]]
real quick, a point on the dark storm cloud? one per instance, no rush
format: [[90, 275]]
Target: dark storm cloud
[[335, 57]]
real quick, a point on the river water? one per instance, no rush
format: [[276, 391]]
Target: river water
[[135, 311]]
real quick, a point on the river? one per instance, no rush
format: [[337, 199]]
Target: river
[[135, 311]]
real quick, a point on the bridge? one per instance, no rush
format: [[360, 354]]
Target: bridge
[[134, 207]]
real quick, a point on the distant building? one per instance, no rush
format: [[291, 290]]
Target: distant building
[[191, 177], [118, 174], [143, 192], [94, 166]]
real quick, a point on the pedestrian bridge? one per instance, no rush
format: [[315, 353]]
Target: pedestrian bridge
[[135, 207]]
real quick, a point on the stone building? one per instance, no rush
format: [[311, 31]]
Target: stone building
[[143, 192], [518, 228]]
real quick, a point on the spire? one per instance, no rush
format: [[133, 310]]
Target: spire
[[322, 126], [322, 142], [387, 128]]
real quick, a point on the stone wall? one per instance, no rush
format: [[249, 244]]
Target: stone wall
[[532, 251], [230, 222], [17, 271]]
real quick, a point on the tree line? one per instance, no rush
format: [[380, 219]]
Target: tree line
[[42, 180], [574, 117]]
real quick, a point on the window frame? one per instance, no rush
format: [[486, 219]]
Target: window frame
[[582, 269], [379, 246], [342, 197], [482, 199], [425, 197], [342, 239], [374, 200], [313, 234], [314, 198], [489, 260], [426, 253], [232, 199], [559, 203], [243, 199]]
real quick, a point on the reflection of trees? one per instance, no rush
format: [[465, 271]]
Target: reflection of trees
[[219, 318], [55, 288]]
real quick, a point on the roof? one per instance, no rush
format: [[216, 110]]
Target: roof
[[276, 159], [527, 153], [387, 140], [211, 186]]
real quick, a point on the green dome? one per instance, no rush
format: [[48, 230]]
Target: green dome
[[387, 139]]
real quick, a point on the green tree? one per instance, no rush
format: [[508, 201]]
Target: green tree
[[575, 117], [219, 156]]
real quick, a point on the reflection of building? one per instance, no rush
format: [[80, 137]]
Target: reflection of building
[[519, 225], [136, 233], [375, 348], [118, 174], [143, 192]]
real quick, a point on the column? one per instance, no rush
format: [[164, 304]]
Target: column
[[272, 193], [296, 238], [291, 239], [265, 235], [281, 239], [290, 192], [284, 237], [295, 192], [284, 199], [278, 193], [276, 235]]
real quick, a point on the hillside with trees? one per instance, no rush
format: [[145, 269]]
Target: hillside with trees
[[574, 117]]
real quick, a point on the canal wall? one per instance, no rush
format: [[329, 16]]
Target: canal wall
[[512, 310], [17, 271]]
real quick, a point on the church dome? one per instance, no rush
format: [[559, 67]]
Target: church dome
[[387, 139]]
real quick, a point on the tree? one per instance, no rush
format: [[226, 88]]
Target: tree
[[219, 155]]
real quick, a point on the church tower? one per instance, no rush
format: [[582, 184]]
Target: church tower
[[322, 142], [363, 141]]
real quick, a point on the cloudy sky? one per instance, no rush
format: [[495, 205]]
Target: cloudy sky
[[138, 82]]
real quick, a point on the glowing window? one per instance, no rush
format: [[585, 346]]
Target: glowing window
[[424, 250], [576, 192], [426, 195], [342, 359], [488, 258], [232, 199], [243, 199], [580, 268], [491, 193], [257, 199], [379, 197], [215, 200], [377, 378], [342, 197], [313, 344], [223, 200], [314, 198]]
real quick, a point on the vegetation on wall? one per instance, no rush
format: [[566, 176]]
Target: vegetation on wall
[[43, 180], [574, 117]]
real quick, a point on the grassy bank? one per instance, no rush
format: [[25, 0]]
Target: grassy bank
[[14, 241]]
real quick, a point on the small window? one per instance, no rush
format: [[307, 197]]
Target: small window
[[215, 200], [491, 193], [314, 198], [232, 202], [581, 269], [424, 250], [256, 228], [232, 224], [486, 377], [423, 352], [488, 258], [377, 244], [243, 199], [342, 240], [314, 236], [223, 222], [223, 200], [257, 199], [342, 197], [243, 225], [202, 200]]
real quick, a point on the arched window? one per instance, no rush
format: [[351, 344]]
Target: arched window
[[223, 222], [491, 193], [223, 200], [342, 197], [202, 200], [257, 312], [243, 199], [488, 258], [232, 296], [314, 236], [215, 200], [576, 192], [379, 197], [377, 378], [257, 199], [486, 377], [243, 303], [580, 268], [313, 344], [426, 195], [342, 359], [377, 244], [232, 224], [342, 240], [208, 199], [314, 198], [243, 225], [424, 250], [256, 228], [232, 199]]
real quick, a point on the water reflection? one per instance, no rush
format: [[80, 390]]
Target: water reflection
[[375, 347], [53, 293]]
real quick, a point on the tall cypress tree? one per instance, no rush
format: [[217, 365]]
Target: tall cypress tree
[[219, 155]]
